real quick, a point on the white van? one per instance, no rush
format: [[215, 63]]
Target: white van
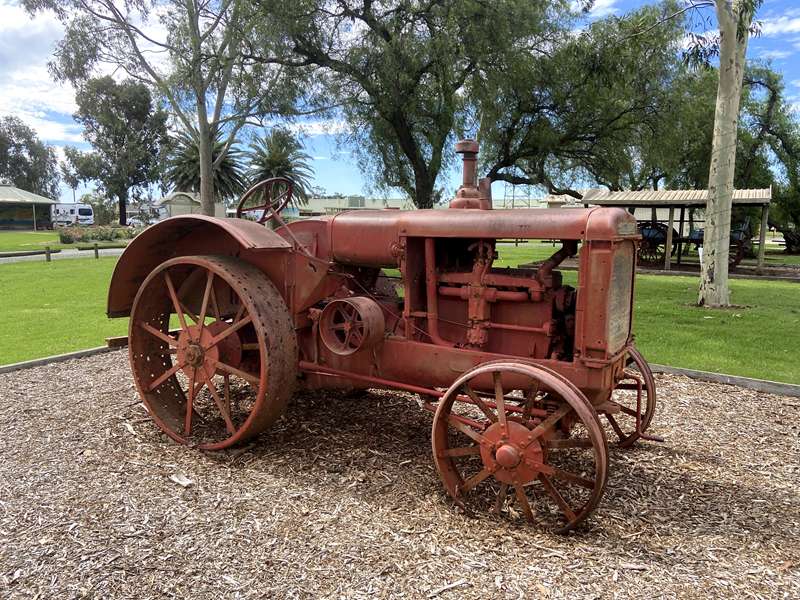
[[65, 215]]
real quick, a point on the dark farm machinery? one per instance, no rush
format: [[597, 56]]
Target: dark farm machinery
[[527, 377]]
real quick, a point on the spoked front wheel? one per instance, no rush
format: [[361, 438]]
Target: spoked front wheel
[[520, 439], [212, 350], [633, 402]]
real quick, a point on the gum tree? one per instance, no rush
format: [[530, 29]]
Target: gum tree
[[189, 51]]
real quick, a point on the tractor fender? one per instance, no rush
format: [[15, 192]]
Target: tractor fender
[[181, 236]]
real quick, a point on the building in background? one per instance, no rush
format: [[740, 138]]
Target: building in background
[[329, 205], [184, 203], [23, 210]]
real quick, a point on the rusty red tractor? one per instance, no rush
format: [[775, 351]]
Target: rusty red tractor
[[525, 375]]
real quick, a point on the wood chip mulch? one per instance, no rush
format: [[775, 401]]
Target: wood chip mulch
[[340, 500]]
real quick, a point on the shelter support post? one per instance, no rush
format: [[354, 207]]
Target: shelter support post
[[680, 233], [762, 236], [668, 249], [33, 208]]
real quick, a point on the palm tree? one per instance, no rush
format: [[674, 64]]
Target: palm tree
[[279, 154], [183, 166]]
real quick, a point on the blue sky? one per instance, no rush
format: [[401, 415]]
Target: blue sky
[[27, 91]]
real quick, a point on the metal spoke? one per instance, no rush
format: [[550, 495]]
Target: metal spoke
[[218, 401], [629, 411], [480, 403], [549, 422], [235, 327], [215, 304], [499, 397], [239, 373], [473, 481], [204, 306], [522, 498], [567, 476], [569, 443], [239, 313], [559, 499], [165, 375], [615, 426], [175, 302], [530, 400], [227, 391], [191, 315], [464, 451], [158, 333], [465, 429], [187, 422]]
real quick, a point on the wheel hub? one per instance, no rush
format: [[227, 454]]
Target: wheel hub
[[505, 453], [197, 352], [507, 456], [194, 354]]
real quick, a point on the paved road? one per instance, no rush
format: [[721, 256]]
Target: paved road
[[63, 255]]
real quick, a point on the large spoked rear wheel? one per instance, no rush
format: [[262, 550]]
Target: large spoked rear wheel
[[212, 350], [520, 439]]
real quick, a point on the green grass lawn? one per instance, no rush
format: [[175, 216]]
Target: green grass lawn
[[50, 308], [21, 241], [11, 241]]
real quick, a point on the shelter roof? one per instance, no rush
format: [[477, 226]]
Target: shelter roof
[[14, 195], [664, 198]]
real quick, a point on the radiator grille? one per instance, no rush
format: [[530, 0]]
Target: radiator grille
[[619, 297]]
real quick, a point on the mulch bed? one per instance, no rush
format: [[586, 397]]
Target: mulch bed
[[341, 500]]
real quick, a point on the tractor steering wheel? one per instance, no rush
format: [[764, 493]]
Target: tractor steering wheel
[[271, 196]]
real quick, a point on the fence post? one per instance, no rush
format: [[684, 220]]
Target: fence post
[[47, 253], [96, 251]]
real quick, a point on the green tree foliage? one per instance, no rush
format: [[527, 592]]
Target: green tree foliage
[[25, 161], [195, 53], [183, 166], [70, 176], [593, 107], [399, 71], [126, 132], [280, 154], [105, 209]]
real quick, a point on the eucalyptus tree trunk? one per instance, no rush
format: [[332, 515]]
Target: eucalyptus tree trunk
[[206, 177], [206, 161], [714, 289]]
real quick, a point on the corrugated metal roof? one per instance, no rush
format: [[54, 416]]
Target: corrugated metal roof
[[13, 195], [602, 197]]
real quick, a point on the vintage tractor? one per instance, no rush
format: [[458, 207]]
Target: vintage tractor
[[524, 374]]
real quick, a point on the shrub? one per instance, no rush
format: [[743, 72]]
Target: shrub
[[103, 234]]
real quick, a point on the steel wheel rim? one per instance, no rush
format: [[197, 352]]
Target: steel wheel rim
[[163, 409], [514, 474], [621, 426]]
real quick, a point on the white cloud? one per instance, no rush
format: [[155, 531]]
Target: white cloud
[[603, 8], [26, 90], [795, 82], [311, 128], [600, 8], [775, 54], [780, 25]]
